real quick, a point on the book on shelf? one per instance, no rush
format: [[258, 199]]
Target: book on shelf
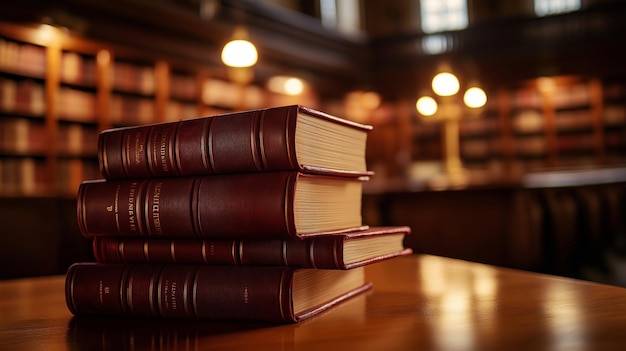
[[273, 139], [258, 205], [236, 293], [337, 251]]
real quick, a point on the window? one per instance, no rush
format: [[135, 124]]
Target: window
[[328, 12], [443, 15], [342, 15], [550, 7]]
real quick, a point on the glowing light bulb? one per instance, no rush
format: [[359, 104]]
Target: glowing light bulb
[[445, 84], [426, 106], [239, 53], [475, 97]]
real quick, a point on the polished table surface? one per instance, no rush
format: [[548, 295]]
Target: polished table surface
[[418, 303]]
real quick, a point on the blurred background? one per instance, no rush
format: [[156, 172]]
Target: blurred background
[[516, 159]]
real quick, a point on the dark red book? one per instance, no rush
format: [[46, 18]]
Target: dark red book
[[272, 139], [274, 205], [236, 293], [338, 251]]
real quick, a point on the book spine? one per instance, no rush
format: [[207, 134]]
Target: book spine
[[250, 141], [318, 252], [212, 207], [180, 291]]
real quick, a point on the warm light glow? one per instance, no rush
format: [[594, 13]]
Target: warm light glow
[[426, 106], [475, 97], [47, 33], [370, 100], [546, 84], [445, 84], [293, 86], [239, 53], [286, 85]]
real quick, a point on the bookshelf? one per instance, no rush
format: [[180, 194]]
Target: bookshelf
[[427, 140], [478, 137], [23, 124], [540, 124], [613, 118], [59, 91]]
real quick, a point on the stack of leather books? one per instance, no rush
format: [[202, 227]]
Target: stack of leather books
[[253, 215]]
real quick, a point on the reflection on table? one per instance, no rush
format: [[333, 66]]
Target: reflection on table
[[418, 302]]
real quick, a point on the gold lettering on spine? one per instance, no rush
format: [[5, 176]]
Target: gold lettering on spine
[[103, 290], [158, 150], [156, 206], [163, 151], [116, 207], [169, 294], [126, 151], [131, 207], [173, 295], [139, 148]]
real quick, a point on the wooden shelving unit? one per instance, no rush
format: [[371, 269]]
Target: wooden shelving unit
[[58, 91], [540, 124]]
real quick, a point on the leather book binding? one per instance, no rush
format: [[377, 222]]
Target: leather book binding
[[254, 205], [270, 294], [337, 251], [273, 139]]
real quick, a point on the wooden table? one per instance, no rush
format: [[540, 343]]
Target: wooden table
[[418, 303]]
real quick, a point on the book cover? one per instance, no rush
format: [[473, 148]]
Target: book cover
[[203, 292], [252, 205], [273, 139], [337, 251]]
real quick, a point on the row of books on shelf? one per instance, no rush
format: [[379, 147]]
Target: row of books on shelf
[[29, 60], [527, 146], [532, 122], [22, 58], [571, 95], [78, 69], [184, 87], [562, 96], [134, 78], [250, 216], [27, 97], [125, 110], [23, 176], [22, 96], [21, 136], [76, 105], [30, 176]]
